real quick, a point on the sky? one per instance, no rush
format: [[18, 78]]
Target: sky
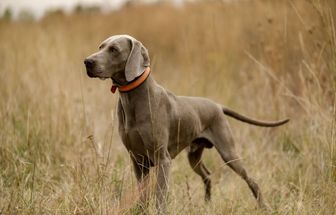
[[39, 7]]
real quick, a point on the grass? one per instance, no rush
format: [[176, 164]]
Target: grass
[[60, 152]]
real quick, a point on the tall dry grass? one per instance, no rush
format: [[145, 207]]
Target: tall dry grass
[[60, 152]]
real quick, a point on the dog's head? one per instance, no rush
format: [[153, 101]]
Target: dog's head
[[121, 58]]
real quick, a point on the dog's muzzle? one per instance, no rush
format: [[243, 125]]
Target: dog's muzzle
[[90, 65]]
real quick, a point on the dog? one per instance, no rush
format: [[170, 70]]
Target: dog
[[155, 125]]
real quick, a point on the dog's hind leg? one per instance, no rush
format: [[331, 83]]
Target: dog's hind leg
[[224, 143], [194, 157]]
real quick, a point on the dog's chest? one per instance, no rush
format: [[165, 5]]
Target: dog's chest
[[134, 141]]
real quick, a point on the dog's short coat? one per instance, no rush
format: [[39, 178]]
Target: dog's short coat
[[155, 125]]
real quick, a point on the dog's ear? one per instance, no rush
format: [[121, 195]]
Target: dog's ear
[[137, 61]]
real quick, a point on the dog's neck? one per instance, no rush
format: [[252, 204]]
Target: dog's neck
[[133, 84], [141, 88], [142, 97]]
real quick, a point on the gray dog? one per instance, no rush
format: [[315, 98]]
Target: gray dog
[[155, 125]]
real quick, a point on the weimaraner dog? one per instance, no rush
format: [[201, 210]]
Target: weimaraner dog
[[155, 125]]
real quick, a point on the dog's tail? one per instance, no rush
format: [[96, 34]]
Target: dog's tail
[[246, 119]]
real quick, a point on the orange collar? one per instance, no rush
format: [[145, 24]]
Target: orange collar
[[142, 78]]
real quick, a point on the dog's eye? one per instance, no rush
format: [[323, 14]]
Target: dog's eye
[[113, 49]]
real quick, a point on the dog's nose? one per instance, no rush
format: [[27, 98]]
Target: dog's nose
[[89, 63]]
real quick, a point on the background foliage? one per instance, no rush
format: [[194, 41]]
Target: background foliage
[[60, 152]]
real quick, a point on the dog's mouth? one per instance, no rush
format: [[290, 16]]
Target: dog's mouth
[[91, 73], [95, 74]]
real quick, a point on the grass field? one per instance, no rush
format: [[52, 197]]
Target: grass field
[[60, 152]]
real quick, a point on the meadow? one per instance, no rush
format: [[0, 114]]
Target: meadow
[[60, 152]]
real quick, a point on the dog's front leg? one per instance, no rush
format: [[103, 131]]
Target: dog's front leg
[[141, 169], [162, 183]]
